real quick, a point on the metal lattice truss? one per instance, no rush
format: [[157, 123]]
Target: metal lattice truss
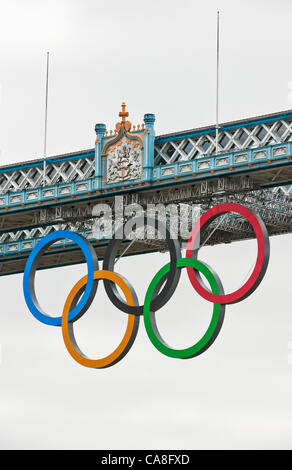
[[38, 232], [230, 140], [287, 190], [58, 172], [168, 149], [275, 208]]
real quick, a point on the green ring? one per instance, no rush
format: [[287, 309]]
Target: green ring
[[149, 317]]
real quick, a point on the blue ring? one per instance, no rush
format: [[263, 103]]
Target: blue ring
[[30, 269]]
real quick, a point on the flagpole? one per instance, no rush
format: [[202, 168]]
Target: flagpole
[[46, 121], [217, 85]]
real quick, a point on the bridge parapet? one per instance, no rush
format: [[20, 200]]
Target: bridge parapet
[[233, 136], [268, 166], [246, 142]]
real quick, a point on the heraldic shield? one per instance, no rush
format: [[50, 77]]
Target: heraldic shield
[[124, 152]]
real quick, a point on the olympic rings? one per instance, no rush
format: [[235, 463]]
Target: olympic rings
[[262, 259], [160, 297], [216, 322], [31, 266], [129, 336], [158, 293]]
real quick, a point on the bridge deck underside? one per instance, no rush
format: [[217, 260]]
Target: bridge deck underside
[[69, 255], [19, 218]]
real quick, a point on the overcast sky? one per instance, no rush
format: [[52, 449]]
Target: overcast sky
[[159, 57]]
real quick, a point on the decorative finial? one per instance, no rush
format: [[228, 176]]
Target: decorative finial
[[126, 124], [123, 114]]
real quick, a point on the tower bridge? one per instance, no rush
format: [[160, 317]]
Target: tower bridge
[[250, 163]]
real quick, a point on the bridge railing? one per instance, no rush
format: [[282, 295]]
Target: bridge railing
[[63, 169], [263, 158], [241, 135], [175, 154]]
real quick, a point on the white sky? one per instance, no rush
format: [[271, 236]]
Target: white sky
[[158, 56]]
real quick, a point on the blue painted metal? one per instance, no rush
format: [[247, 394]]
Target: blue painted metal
[[174, 173], [49, 160], [26, 246], [148, 164], [100, 130], [222, 127]]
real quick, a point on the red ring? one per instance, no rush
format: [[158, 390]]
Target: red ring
[[262, 258]]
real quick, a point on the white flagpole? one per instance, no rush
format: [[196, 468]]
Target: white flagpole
[[217, 87], [46, 121]]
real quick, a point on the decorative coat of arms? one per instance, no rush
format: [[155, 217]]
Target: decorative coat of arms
[[124, 153], [124, 161]]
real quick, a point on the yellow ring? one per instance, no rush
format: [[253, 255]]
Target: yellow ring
[[128, 338]]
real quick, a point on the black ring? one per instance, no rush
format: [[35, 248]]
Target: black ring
[[172, 279]]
